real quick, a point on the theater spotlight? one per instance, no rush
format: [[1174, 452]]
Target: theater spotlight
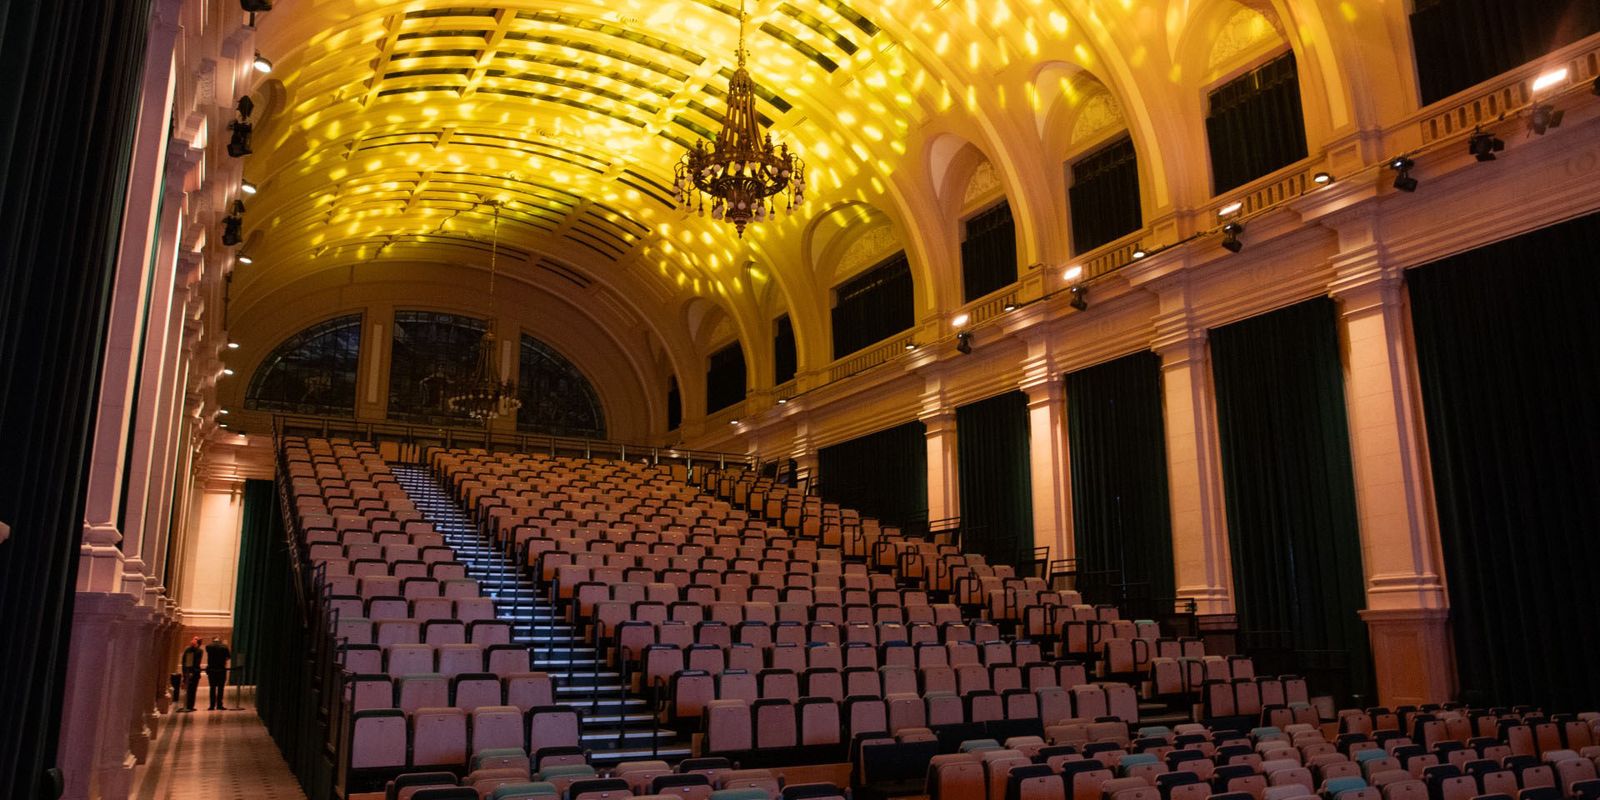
[[255, 6], [911, 345], [1139, 252], [1080, 298], [1483, 145], [1010, 306], [261, 64], [227, 370], [247, 187], [964, 343], [1322, 178], [1402, 174], [960, 320], [239, 139], [1230, 237], [1072, 273], [1544, 116], [232, 224], [243, 258]]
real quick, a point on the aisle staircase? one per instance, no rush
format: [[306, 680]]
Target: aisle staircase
[[617, 726]]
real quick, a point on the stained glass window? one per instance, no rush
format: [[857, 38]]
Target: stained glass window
[[431, 353], [311, 372], [556, 399]]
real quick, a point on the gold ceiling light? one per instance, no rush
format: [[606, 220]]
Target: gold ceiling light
[[485, 395], [743, 169]]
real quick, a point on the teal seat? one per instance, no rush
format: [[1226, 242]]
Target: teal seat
[[499, 757], [1369, 754], [565, 771], [524, 791], [1131, 760], [979, 745], [1154, 732], [1336, 786]]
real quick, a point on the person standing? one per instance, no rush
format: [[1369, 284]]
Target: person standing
[[217, 657], [190, 663]]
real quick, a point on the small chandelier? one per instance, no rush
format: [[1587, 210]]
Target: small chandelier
[[485, 396], [742, 169]]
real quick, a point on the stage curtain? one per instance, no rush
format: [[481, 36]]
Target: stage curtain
[[996, 494], [1508, 341], [1104, 196], [1116, 435], [725, 378], [1290, 494], [1461, 43], [1255, 124], [989, 252], [873, 306], [68, 105], [261, 529], [882, 475]]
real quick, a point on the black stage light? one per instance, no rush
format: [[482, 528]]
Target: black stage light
[[231, 234], [255, 6], [1543, 116], [1080, 298], [964, 343], [1483, 145], [1402, 178], [239, 140], [1230, 237]]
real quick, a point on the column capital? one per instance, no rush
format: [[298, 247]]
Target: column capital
[[1043, 390], [99, 559], [938, 419]]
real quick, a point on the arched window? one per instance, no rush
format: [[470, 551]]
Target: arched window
[[430, 354], [556, 399], [311, 372]]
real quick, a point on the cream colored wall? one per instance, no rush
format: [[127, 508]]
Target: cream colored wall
[[211, 556]]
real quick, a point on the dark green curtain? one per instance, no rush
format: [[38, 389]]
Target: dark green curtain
[[996, 482], [1116, 434], [725, 378], [1254, 125], [873, 306], [1461, 43], [260, 531], [989, 252], [785, 358], [68, 105], [1290, 493], [1104, 196], [1508, 337], [882, 475]]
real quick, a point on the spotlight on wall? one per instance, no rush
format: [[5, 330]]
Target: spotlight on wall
[[261, 64], [244, 258], [964, 343], [222, 411], [247, 187], [1544, 116], [1139, 252], [227, 370], [961, 320], [1072, 273], [911, 345], [233, 224], [1553, 79], [1402, 174], [1230, 237], [233, 345], [1322, 178], [239, 139], [734, 421], [1230, 210], [1080, 298], [1483, 145], [222, 424], [255, 6], [1010, 306], [783, 401]]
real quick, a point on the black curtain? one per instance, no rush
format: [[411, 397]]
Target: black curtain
[[873, 306], [785, 358], [1255, 125], [1116, 434], [989, 253], [674, 404], [1290, 493], [882, 475], [1104, 196], [260, 531], [725, 378], [1461, 43], [996, 484], [67, 117], [1507, 340]]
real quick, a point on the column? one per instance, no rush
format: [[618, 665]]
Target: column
[[944, 480], [1407, 608], [1049, 460], [1194, 464]]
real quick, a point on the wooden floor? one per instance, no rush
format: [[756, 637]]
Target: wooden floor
[[215, 755]]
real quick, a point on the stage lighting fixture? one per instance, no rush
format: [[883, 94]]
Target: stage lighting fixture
[[961, 320], [1139, 252], [261, 64], [231, 234], [783, 401], [247, 187], [1544, 116], [233, 345], [255, 6], [1080, 298], [1072, 273], [244, 259], [1402, 174], [1483, 145], [227, 370], [1012, 306], [964, 343], [239, 139], [1322, 179], [911, 345], [1230, 237]]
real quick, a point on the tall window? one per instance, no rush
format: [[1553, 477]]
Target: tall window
[[1461, 43], [1255, 125], [989, 252], [674, 404], [556, 399], [873, 306], [784, 356], [430, 354], [725, 378], [1104, 198], [311, 372]]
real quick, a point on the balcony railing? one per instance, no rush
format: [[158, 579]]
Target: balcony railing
[[882, 353]]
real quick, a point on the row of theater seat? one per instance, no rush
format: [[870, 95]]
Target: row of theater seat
[[509, 776]]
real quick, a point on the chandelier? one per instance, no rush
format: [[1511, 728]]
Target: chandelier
[[742, 169], [485, 396]]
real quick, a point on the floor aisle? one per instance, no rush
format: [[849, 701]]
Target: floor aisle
[[215, 755]]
